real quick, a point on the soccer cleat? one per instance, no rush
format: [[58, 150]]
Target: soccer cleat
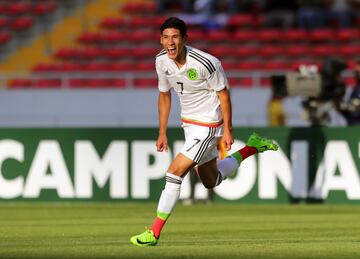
[[261, 144], [146, 238]]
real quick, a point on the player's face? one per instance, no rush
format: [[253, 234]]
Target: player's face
[[173, 43]]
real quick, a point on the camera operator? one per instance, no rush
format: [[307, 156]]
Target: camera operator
[[317, 109], [351, 109]]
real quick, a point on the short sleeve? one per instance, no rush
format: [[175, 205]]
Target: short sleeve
[[217, 80], [163, 83]]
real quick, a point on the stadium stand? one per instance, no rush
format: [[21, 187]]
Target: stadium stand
[[121, 47]]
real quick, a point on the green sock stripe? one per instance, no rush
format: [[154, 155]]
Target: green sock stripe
[[162, 215], [238, 157]]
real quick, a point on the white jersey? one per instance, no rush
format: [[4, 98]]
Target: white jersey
[[196, 84]]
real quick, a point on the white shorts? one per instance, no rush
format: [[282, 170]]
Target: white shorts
[[201, 142]]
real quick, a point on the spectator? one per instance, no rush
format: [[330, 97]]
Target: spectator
[[276, 114], [279, 13], [312, 13], [351, 109]]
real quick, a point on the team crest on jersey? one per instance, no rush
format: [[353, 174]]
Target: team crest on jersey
[[192, 74]]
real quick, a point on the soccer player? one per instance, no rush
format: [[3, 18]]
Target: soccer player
[[201, 84]]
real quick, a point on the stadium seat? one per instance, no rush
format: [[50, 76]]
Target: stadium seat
[[295, 35], [348, 34], [121, 66], [296, 51], [321, 35], [19, 8], [222, 51], [247, 51], [47, 83], [218, 36], [250, 65], [113, 23], [276, 65], [141, 36], [269, 35], [4, 23], [96, 67], [241, 20], [20, 83], [117, 52], [146, 83], [269, 51], [349, 51], [139, 8], [245, 36], [22, 23], [5, 37], [322, 51], [44, 8]]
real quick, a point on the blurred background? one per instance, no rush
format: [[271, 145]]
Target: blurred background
[[90, 63]]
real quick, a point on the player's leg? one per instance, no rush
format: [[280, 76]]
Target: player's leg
[[255, 144], [213, 171], [168, 199]]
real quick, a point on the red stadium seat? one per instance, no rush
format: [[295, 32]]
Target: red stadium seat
[[145, 52], [245, 36], [114, 37], [91, 53], [242, 20], [22, 23], [138, 7], [349, 51], [121, 66], [323, 50], [90, 38], [145, 66], [321, 35], [146, 83], [96, 66], [218, 36], [19, 8], [47, 83], [269, 35], [222, 51], [21, 83], [247, 51], [117, 52], [46, 67], [113, 23], [4, 23], [43, 8], [348, 34], [296, 51], [68, 53], [269, 51], [230, 64], [276, 65], [143, 36], [5, 37], [250, 65], [295, 35]]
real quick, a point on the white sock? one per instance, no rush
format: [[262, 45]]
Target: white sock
[[227, 166], [170, 194]]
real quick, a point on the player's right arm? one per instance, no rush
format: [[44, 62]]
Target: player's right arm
[[164, 106]]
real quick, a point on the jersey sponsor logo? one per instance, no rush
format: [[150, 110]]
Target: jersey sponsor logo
[[192, 74]]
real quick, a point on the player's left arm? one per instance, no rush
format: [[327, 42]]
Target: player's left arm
[[225, 105]]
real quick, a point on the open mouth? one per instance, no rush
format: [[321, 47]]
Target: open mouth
[[172, 50]]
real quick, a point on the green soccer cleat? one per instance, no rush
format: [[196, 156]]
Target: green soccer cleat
[[146, 238], [261, 144]]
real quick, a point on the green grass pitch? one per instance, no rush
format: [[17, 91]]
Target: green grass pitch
[[102, 230]]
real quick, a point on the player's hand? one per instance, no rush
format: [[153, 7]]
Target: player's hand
[[228, 140], [161, 144]]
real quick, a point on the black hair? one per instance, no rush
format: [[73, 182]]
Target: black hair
[[176, 23]]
